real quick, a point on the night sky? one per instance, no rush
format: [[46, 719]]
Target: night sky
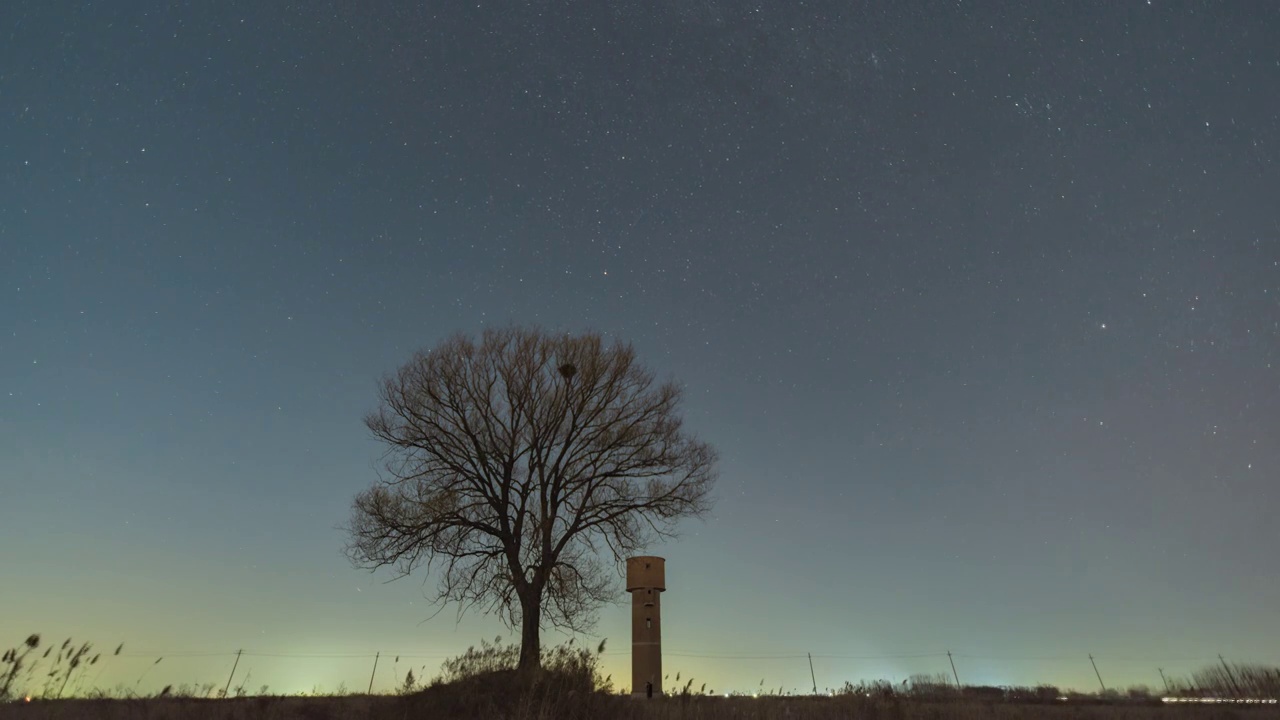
[[979, 302]]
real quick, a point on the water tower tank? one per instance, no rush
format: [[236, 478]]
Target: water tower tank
[[646, 571]]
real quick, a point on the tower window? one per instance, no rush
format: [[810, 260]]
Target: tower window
[[648, 622]]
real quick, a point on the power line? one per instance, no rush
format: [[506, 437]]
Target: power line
[[790, 655], [743, 655], [904, 656], [335, 656], [249, 653], [713, 656], [179, 654], [1076, 658]]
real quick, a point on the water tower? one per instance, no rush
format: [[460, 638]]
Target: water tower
[[646, 581]]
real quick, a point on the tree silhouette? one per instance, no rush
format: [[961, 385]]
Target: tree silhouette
[[521, 469]]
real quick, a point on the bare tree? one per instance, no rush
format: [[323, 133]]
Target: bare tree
[[521, 469]]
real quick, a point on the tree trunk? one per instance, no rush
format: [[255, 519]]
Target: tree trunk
[[530, 638]]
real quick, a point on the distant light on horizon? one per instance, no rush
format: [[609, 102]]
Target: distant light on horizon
[[1225, 701]]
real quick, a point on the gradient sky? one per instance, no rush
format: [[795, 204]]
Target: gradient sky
[[980, 303]]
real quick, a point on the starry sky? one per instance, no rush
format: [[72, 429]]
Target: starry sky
[[979, 302]]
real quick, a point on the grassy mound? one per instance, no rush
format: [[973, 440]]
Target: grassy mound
[[497, 694]]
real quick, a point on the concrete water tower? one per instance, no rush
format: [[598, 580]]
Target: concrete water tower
[[646, 581]]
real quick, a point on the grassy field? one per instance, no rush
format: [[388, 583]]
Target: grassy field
[[40, 682], [535, 706]]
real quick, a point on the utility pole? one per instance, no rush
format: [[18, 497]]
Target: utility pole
[[1230, 677], [1095, 672], [953, 670], [1165, 680], [234, 665], [812, 676], [375, 670]]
